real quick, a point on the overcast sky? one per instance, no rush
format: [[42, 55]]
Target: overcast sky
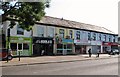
[[102, 13]]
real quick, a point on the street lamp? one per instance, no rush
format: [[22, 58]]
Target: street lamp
[[8, 35]]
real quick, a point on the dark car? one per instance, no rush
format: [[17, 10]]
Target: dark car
[[4, 54], [114, 52]]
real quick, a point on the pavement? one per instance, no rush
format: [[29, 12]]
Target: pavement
[[51, 59]]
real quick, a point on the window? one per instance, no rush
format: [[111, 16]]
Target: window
[[70, 33], [59, 46], [61, 32], [50, 32], [20, 31], [104, 37], [89, 36], [113, 38], [94, 36], [40, 31], [13, 46], [26, 46], [109, 38], [100, 37], [78, 35]]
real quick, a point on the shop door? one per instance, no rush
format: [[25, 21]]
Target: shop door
[[20, 49], [65, 49]]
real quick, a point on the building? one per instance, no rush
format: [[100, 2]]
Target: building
[[20, 40], [84, 36], [56, 36]]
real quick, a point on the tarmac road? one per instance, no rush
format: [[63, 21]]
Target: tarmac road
[[88, 67]]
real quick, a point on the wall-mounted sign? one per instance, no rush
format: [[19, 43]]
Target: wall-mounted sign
[[40, 40], [67, 40], [44, 41], [81, 42], [96, 42]]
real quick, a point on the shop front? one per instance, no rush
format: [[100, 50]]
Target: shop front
[[114, 46], [106, 47], [81, 46], [22, 45], [42, 46], [95, 46], [64, 47]]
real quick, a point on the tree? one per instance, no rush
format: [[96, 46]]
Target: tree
[[25, 13]]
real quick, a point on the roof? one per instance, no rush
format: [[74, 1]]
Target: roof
[[73, 24]]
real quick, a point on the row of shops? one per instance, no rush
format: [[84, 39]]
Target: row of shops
[[49, 46]]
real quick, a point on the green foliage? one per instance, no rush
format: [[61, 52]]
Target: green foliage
[[27, 13]]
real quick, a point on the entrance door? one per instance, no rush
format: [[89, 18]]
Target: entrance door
[[20, 48]]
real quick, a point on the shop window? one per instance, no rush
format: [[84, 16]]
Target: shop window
[[69, 46], [25, 46], [13, 46], [78, 35], [61, 32], [20, 31], [59, 46], [70, 33]]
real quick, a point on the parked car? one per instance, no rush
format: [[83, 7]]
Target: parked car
[[4, 55], [114, 52]]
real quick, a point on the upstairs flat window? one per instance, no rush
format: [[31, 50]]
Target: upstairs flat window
[[61, 32], [89, 36], [71, 33], [20, 31], [78, 35]]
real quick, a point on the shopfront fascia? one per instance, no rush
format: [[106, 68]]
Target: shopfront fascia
[[20, 44], [65, 47], [41, 44], [81, 46]]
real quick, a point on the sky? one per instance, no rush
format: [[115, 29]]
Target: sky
[[102, 13]]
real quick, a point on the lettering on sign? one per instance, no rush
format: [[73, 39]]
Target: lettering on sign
[[44, 41]]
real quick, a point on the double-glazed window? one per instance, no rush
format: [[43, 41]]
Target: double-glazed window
[[40, 31], [61, 32], [89, 36], [20, 31], [99, 37], [70, 33], [104, 37], [94, 36], [50, 32], [109, 38], [78, 35]]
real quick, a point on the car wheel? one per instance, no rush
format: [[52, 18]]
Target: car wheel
[[10, 57]]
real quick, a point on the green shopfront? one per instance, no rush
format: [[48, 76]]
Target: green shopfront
[[22, 45]]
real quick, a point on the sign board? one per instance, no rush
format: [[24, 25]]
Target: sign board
[[96, 42], [81, 42]]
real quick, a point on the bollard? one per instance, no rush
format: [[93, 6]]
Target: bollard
[[19, 55]]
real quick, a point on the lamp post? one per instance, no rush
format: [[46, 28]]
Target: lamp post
[[8, 35]]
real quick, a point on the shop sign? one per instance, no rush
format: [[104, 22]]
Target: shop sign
[[44, 41], [107, 43], [19, 39], [67, 41], [81, 42], [96, 42]]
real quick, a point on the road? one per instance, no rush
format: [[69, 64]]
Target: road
[[89, 67]]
